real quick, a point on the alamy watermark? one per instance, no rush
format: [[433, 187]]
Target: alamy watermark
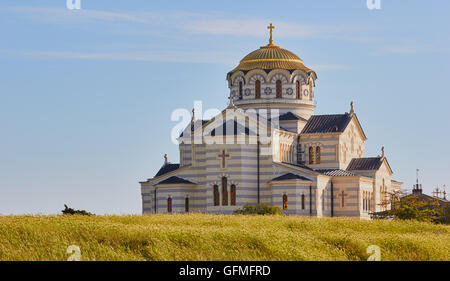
[[375, 253], [73, 4], [373, 4], [74, 253]]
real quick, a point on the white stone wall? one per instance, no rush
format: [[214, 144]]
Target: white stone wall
[[328, 144], [351, 144]]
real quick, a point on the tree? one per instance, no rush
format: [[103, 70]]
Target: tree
[[70, 211], [410, 207], [444, 214]]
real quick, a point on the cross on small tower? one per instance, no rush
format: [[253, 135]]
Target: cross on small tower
[[436, 192], [223, 156], [270, 27]]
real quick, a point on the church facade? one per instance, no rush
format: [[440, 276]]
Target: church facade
[[269, 147]]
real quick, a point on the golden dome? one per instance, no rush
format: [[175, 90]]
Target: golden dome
[[271, 57]]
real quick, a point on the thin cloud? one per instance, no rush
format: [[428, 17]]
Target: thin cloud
[[330, 67], [396, 50], [225, 58], [176, 57], [197, 23], [66, 16], [252, 27]]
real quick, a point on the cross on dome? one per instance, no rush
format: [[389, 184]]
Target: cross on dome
[[270, 27]]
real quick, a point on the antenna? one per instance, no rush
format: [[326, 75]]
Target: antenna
[[417, 188], [417, 176]]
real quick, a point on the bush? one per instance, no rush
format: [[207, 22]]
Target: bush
[[444, 214], [70, 211], [259, 209]]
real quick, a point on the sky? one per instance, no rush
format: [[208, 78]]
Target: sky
[[86, 95]]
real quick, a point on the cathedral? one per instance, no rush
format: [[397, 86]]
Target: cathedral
[[269, 147]]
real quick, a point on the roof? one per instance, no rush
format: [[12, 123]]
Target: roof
[[336, 173], [290, 116], [175, 180], [327, 123], [193, 126], [370, 163], [167, 168], [271, 57], [290, 176], [236, 126], [299, 165]]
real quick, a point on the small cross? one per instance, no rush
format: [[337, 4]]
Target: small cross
[[436, 192], [270, 27], [223, 156], [343, 195]]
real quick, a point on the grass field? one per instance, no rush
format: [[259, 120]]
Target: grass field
[[213, 237]]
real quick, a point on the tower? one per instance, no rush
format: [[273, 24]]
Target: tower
[[417, 188], [272, 77]]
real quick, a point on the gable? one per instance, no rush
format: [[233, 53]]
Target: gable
[[238, 120], [167, 168], [385, 165], [355, 122], [290, 176]]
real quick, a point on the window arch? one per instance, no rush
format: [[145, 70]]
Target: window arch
[[257, 89], [186, 205], [169, 205], [233, 195], [216, 195], [303, 201], [318, 155], [285, 202], [311, 155], [224, 191], [279, 89], [240, 90], [298, 89]]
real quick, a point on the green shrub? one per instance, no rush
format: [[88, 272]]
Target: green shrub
[[259, 209], [70, 211]]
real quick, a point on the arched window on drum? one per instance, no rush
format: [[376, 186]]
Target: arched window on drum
[[240, 90], [298, 89], [279, 89], [257, 89]]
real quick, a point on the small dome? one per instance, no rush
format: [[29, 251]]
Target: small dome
[[271, 57]]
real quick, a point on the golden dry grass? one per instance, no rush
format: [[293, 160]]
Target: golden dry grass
[[218, 237]]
